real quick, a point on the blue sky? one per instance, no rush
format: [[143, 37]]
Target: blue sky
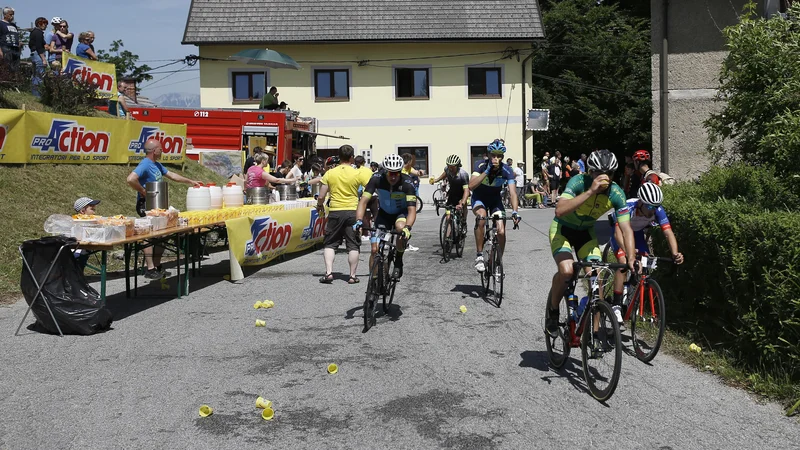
[[152, 29]]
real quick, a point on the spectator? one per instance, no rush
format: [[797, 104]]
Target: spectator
[[296, 173], [342, 183], [545, 173], [519, 176], [360, 161], [10, 43], [250, 161], [149, 169], [554, 174], [48, 37], [61, 40], [582, 163], [38, 55], [270, 99], [630, 182], [257, 177], [84, 48], [284, 169], [373, 166]]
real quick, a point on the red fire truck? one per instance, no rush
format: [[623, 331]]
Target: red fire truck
[[238, 129]]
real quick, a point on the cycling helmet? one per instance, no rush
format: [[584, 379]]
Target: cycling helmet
[[332, 161], [650, 194], [453, 160], [374, 164], [602, 161], [393, 163], [496, 147], [56, 20], [641, 155]]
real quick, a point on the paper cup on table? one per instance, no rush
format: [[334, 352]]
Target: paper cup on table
[[332, 368], [267, 414], [263, 403], [206, 411]]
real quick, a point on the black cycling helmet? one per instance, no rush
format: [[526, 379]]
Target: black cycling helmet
[[602, 161]]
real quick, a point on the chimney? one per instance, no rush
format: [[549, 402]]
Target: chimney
[[128, 87]]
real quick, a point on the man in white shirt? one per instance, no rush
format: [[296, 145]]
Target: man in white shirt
[[519, 175]]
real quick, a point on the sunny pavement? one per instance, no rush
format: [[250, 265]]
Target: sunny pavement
[[429, 377]]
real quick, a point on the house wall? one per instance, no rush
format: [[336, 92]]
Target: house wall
[[449, 122], [696, 52]]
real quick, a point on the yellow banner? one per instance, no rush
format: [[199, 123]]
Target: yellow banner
[[102, 75], [34, 137], [257, 240]]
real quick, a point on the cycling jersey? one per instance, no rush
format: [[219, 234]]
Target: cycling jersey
[[587, 214], [392, 199], [461, 178], [492, 184], [639, 221]]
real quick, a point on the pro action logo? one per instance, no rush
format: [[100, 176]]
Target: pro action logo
[[81, 72], [172, 145], [71, 137], [267, 236], [315, 228], [3, 134]]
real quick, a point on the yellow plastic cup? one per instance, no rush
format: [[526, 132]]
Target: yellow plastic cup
[[267, 304], [263, 403], [332, 368], [258, 304], [695, 348], [463, 308], [267, 414], [261, 323], [206, 411]]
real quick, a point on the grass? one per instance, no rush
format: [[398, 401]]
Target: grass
[[12, 99], [33, 193], [773, 384]]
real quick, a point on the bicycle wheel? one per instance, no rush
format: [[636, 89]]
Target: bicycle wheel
[[442, 229], [449, 234], [460, 239], [373, 291], [486, 275], [419, 204], [558, 346], [648, 320], [388, 281], [497, 277], [601, 351], [438, 196]]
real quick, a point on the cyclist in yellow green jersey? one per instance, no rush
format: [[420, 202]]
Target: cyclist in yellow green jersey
[[587, 198]]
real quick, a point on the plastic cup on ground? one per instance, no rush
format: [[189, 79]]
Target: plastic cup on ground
[[261, 323], [267, 414], [332, 368], [463, 308], [206, 411], [258, 304], [262, 403]]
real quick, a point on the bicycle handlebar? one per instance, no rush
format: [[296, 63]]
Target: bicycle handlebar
[[598, 264]]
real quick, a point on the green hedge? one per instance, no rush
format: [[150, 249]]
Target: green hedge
[[739, 229]]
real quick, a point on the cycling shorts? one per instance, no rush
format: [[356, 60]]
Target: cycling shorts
[[641, 244], [454, 195], [386, 221], [493, 203], [563, 239]]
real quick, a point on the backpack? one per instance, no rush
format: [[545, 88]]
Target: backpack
[[666, 178]]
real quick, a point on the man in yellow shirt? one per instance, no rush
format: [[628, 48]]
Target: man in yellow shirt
[[342, 183]]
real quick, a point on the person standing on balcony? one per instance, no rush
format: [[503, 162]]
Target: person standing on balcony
[[270, 100]]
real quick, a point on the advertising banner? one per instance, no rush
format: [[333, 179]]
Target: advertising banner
[[102, 75], [257, 240], [34, 137]]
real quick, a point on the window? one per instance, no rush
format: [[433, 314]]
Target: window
[[412, 83], [332, 84], [249, 86], [478, 154], [421, 153], [484, 82]]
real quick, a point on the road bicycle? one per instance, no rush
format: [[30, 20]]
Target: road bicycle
[[452, 231], [381, 282], [440, 194], [493, 275], [588, 323]]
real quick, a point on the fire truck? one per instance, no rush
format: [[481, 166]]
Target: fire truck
[[214, 130]]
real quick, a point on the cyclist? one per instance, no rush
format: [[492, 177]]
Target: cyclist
[[486, 184], [458, 179], [398, 207], [643, 164], [643, 212], [587, 197]]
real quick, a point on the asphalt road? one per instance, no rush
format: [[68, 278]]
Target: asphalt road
[[428, 376]]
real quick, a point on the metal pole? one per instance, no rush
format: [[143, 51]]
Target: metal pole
[[524, 115], [664, 85]]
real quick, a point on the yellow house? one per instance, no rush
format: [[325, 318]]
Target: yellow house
[[433, 77]]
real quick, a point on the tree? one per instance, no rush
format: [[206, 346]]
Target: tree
[[760, 85], [593, 73], [125, 62]]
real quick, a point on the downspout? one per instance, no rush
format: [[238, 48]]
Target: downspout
[[525, 115], [664, 86]]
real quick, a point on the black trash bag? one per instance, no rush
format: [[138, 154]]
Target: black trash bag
[[76, 306]]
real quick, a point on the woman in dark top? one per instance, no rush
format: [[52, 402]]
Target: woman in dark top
[[38, 53]]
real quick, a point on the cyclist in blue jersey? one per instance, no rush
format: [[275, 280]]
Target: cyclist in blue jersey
[[644, 212], [398, 207], [486, 184]]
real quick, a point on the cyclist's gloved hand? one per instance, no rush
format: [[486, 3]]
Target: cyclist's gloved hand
[[488, 169], [407, 233], [358, 224]]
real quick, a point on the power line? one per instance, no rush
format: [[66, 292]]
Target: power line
[[162, 79], [185, 69], [584, 85], [178, 82]]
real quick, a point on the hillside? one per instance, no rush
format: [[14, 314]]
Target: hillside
[[32, 193]]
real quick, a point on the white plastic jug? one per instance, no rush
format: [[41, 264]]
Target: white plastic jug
[[215, 192], [232, 196], [198, 199]]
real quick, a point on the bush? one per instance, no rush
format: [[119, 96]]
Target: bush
[[739, 230], [67, 96], [16, 79]]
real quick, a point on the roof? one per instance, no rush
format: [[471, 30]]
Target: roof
[[295, 21]]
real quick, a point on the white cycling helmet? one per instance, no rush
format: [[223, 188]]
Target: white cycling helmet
[[602, 161], [56, 20], [393, 163], [650, 194]]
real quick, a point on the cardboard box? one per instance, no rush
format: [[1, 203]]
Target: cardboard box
[[236, 179]]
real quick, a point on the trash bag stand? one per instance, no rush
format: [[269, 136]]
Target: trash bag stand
[[40, 287]]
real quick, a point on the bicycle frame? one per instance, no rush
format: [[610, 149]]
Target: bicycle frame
[[576, 327], [640, 282]]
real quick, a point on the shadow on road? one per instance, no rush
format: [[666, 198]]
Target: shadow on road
[[573, 373], [394, 314], [469, 290]]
